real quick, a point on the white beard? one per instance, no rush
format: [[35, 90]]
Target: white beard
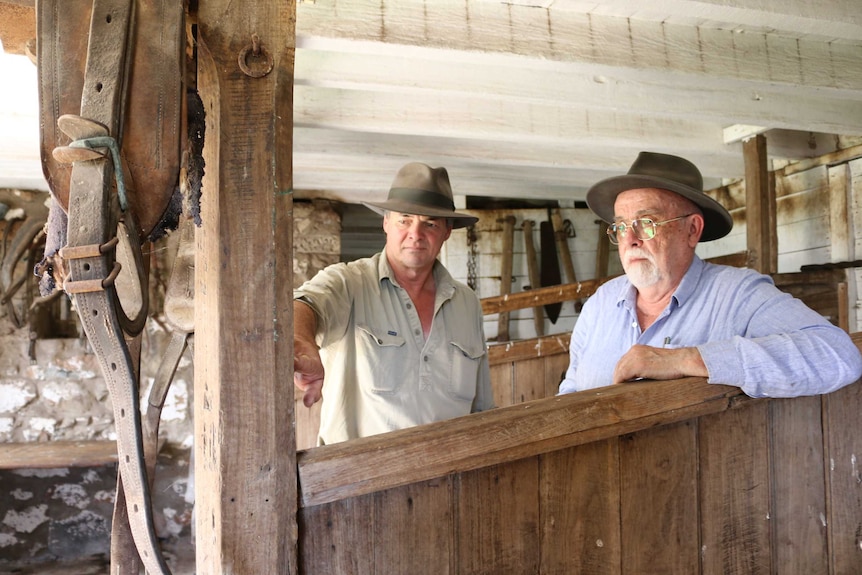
[[643, 274]]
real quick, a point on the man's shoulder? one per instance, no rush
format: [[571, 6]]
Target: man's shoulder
[[731, 273]]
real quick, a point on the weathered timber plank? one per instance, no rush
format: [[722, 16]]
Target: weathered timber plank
[[658, 499], [49, 454], [332, 472], [760, 207], [524, 349], [799, 506], [540, 296], [412, 527], [529, 381], [734, 492], [498, 519], [574, 291], [838, 157], [244, 421], [502, 384], [580, 513], [843, 446], [336, 538]]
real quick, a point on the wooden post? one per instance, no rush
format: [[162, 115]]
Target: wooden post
[[245, 449], [760, 208]]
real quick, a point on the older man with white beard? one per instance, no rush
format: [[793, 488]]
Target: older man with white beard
[[673, 315]]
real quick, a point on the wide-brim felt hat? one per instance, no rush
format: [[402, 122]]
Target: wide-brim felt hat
[[421, 190], [654, 170]]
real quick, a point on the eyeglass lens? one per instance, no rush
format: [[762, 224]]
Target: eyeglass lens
[[643, 228]]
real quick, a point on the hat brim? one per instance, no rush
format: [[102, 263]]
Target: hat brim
[[601, 197], [459, 220]]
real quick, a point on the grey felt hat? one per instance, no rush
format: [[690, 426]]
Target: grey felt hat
[[421, 190], [678, 175]]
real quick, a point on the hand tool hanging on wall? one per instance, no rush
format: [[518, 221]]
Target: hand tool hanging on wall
[[602, 252], [550, 268], [506, 274], [533, 271], [561, 236]]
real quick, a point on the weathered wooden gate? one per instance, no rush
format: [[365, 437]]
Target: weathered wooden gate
[[659, 477]]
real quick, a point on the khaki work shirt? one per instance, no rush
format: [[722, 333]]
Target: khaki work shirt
[[380, 372]]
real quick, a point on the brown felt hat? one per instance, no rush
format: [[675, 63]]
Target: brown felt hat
[[421, 190], [678, 175]]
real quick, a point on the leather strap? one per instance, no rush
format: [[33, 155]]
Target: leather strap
[[91, 261]]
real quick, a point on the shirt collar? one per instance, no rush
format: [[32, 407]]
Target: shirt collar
[[442, 278], [683, 293]]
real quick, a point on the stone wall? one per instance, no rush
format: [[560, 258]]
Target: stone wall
[[53, 389]]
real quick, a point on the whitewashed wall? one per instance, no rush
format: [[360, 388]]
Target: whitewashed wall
[[809, 233], [489, 242]]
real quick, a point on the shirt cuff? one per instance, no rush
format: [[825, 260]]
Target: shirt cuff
[[715, 356]]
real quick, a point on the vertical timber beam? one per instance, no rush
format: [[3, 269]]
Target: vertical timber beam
[[760, 208], [841, 231], [245, 447]]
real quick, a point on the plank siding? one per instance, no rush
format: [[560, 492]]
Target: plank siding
[[580, 499], [658, 500], [658, 477], [498, 519], [734, 491], [843, 446], [799, 507]]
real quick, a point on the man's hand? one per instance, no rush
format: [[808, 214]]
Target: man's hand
[[646, 362], [307, 372]]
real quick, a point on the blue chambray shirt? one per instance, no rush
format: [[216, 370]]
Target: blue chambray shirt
[[749, 333], [381, 374]]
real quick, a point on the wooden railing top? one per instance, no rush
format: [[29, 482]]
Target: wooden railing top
[[339, 471]]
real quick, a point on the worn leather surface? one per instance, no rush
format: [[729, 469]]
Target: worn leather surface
[[151, 128], [117, 65]]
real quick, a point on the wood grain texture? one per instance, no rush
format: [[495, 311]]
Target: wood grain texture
[[245, 443], [798, 486], [843, 452], [658, 500], [498, 519], [412, 528], [50, 454], [337, 471], [735, 491], [580, 496]]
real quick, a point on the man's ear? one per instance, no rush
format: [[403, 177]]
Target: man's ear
[[695, 229]]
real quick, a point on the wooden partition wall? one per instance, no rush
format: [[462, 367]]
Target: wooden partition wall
[[672, 477]]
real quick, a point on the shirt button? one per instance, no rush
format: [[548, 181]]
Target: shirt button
[[416, 332], [425, 358], [634, 324], [409, 306]]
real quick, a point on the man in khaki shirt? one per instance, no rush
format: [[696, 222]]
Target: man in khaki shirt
[[393, 341]]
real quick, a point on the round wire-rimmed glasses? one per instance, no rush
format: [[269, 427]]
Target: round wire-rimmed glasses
[[643, 228]]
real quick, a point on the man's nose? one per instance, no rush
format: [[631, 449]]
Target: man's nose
[[629, 230]]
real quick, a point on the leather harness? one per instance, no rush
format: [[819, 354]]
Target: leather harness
[[114, 126]]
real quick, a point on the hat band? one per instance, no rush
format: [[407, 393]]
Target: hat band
[[422, 197]]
